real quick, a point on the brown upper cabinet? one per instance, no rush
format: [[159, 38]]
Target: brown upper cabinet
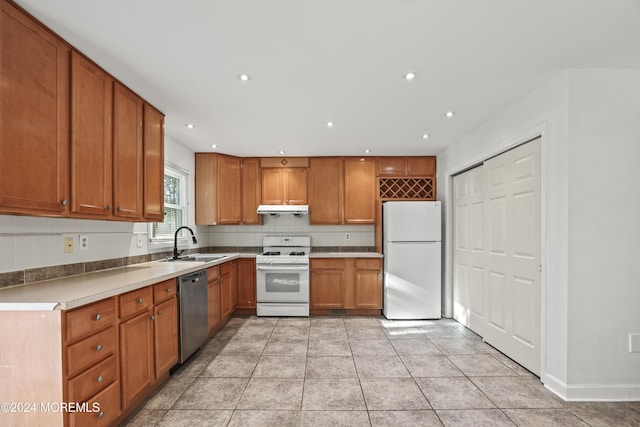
[[71, 139], [407, 166], [34, 118], [326, 190], [359, 190], [250, 191], [91, 148], [284, 186], [153, 157], [342, 190], [127, 153], [217, 189]]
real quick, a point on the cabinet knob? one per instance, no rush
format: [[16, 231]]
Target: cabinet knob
[[159, 312], [65, 202], [98, 347], [99, 379], [139, 300], [98, 316], [120, 209], [153, 317], [169, 290], [101, 414], [109, 208]]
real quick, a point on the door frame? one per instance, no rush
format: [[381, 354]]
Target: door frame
[[538, 131]]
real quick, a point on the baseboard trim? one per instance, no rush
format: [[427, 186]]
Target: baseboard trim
[[592, 392]]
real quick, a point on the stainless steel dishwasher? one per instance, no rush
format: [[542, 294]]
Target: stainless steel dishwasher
[[194, 331]]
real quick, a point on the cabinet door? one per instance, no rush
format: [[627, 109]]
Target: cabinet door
[[250, 182], [326, 190], [127, 153], [226, 297], [296, 186], [34, 117], [359, 191], [421, 166], [213, 303], [136, 356], [246, 283], [205, 181], [272, 187], [166, 336], [368, 289], [228, 190], [91, 108], [326, 289], [391, 166], [153, 144]]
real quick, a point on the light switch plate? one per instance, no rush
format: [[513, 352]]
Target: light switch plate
[[634, 343]]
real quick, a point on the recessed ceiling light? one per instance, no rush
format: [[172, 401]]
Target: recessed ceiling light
[[281, 151], [245, 77], [330, 124], [367, 151], [449, 114], [190, 125], [214, 146], [425, 136], [410, 75]]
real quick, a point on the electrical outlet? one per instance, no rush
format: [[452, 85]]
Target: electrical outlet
[[139, 242], [347, 236], [84, 242], [68, 245]]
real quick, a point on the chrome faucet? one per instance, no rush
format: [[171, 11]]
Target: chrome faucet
[[175, 241]]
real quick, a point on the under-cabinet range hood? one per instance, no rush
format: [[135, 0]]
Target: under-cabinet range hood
[[283, 209]]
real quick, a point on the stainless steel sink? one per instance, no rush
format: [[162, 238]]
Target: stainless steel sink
[[196, 258]]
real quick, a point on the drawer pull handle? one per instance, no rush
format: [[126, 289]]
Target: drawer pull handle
[[99, 347], [159, 312], [98, 316], [100, 379], [101, 414], [139, 300]]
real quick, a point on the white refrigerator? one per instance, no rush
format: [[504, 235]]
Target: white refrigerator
[[412, 260]]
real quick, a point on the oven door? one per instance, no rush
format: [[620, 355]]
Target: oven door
[[282, 283]]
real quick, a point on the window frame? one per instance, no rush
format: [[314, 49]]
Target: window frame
[[167, 241]]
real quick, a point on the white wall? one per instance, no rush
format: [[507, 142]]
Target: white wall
[[604, 232], [321, 235], [589, 122], [30, 242]]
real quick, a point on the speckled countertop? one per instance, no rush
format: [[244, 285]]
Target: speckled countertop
[[344, 255], [74, 291]]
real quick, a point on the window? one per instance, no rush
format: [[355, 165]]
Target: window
[[175, 205]]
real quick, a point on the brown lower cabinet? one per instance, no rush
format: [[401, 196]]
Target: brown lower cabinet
[[213, 299], [246, 283], [346, 283]]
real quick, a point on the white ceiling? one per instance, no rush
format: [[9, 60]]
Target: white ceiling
[[341, 61]]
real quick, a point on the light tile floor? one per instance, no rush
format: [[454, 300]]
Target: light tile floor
[[361, 371]]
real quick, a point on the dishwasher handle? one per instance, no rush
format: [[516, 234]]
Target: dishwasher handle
[[193, 277]]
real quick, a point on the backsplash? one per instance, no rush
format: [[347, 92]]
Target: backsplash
[[321, 235]]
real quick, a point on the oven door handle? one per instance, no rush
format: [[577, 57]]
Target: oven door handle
[[264, 268]]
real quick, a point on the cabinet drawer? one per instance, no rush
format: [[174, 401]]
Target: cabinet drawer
[[135, 301], [91, 318], [225, 268], [327, 263], [107, 406], [213, 273], [164, 290], [91, 350], [368, 264], [90, 382]]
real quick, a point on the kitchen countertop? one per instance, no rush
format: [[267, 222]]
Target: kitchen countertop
[[345, 255], [75, 291]]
